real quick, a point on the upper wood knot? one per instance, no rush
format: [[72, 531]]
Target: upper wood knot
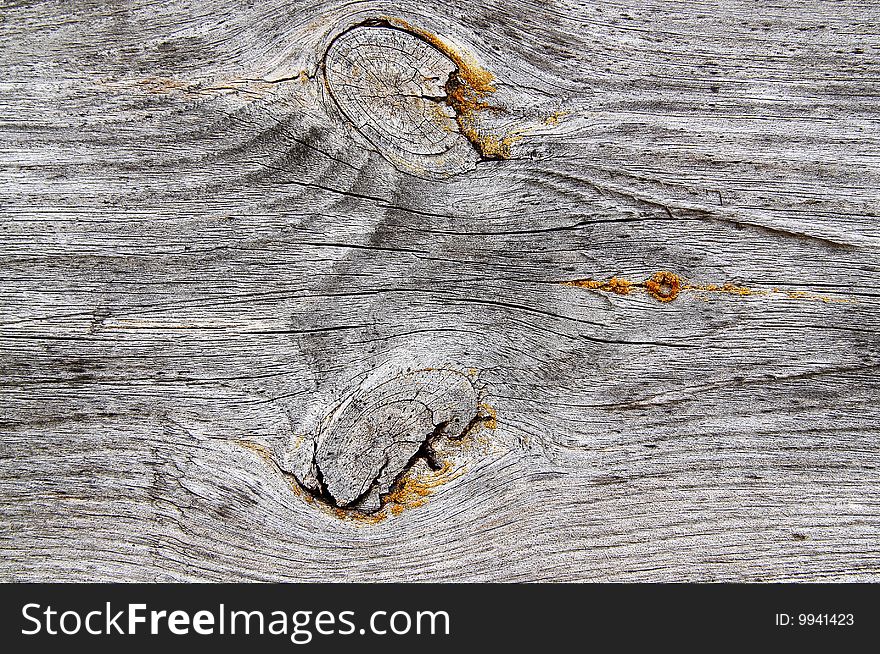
[[392, 86]]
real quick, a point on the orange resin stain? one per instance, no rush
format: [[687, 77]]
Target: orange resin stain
[[468, 90], [490, 417], [411, 491], [613, 285], [665, 286], [478, 78], [725, 288]]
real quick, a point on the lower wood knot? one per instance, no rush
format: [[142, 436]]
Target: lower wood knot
[[359, 456]]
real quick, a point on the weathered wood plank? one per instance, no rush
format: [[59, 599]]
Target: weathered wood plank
[[206, 260]]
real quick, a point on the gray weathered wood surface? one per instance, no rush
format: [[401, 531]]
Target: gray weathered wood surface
[[225, 270]]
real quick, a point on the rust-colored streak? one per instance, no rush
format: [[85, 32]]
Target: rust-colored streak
[[665, 286], [726, 288], [613, 285]]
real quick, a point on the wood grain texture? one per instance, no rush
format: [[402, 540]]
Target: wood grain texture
[[204, 257]]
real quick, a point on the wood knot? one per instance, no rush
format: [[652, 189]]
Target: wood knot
[[413, 101], [374, 436]]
